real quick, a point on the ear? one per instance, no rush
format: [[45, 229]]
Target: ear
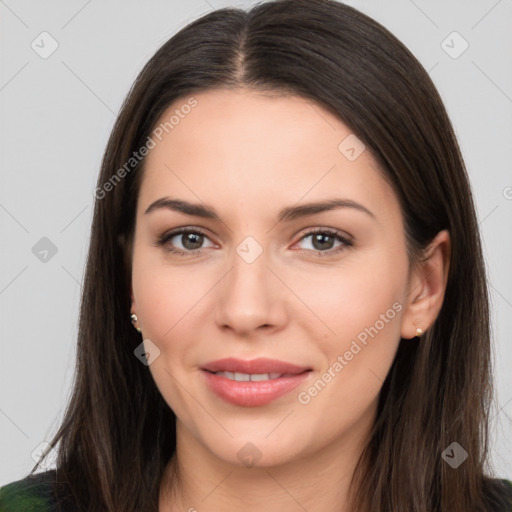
[[427, 286]]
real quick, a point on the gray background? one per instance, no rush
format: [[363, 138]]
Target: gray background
[[58, 112]]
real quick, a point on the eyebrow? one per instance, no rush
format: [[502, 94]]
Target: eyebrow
[[286, 214]]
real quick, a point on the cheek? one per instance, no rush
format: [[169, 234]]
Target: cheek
[[167, 303], [350, 298], [357, 318], [164, 296]]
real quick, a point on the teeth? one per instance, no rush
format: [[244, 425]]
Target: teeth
[[257, 377], [265, 376], [246, 377]]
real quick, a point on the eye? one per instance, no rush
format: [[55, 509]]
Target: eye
[[320, 241], [323, 241], [184, 241]]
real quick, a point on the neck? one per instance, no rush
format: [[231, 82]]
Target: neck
[[197, 481]]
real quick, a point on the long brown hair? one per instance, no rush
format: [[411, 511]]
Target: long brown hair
[[118, 433]]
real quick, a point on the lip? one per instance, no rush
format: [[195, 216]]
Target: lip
[[260, 365], [249, 393]]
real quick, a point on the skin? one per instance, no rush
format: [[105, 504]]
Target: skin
[[248, 155]]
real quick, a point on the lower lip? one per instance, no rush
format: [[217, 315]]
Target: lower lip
[[252, 394]]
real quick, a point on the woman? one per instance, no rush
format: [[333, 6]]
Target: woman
[[285, 305]]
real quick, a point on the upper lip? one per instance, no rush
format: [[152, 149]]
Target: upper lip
[[254, 366]]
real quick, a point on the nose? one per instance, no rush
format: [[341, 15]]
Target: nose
[[250, 298]]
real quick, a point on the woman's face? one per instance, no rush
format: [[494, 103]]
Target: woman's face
[[293, 251]]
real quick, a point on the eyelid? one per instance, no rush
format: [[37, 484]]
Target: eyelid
[[169, 234], [331, 231], [345, 239]]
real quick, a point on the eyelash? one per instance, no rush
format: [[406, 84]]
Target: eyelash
[[345, 241]]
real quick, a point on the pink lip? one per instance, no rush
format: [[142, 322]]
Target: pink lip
[[253, 394], [260, 365]]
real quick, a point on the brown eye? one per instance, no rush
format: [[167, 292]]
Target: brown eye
[[184, 241], [321, 241], [325, 241], [190, 241]]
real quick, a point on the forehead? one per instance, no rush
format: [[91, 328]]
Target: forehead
[[236, 121], [253, 147]]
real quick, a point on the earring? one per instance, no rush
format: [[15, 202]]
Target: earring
[[419, 332], [134, 319]]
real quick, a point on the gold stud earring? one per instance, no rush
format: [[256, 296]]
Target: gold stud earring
[[134, 319], [419, 332]]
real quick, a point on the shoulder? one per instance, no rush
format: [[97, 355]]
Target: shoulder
[[498, 494], [32, 493]]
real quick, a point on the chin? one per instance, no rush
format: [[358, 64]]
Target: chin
[[257, 451]]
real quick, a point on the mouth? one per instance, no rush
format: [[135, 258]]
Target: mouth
[[253, 383], [251, 377]]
